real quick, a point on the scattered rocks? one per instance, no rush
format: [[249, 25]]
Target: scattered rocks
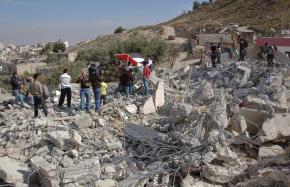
[[270, 151], [83, 121], [200, 123], [13, 171]]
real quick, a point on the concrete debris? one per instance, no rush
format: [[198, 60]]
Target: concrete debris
[[238, 124], [13, 171], [270, 151], [160, 95], [206, 91], [275, 128], [132, 109], [189, 181], [149, 106], [60, 139], [105, 183], [200, 122], [226, 154], [83, 121], [219, 174]]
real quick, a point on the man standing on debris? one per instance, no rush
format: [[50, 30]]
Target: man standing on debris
[[243, 47], [214, 54], [219, 53], [85, 92], [146, 76], [95, 80], [65, 91], [270, 52], [36, 90], [15, 83], [125, 81]]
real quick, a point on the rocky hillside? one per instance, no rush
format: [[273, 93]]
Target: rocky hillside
[[264, 16], [261, 15]]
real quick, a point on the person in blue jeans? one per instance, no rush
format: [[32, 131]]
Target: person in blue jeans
[[85, 92], [96, 86], [125, 81], [146, 76], [15, 83]]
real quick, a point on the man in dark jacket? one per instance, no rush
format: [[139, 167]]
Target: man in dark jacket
[[214, 55], [15, 83], [96, 85], [243, 47]]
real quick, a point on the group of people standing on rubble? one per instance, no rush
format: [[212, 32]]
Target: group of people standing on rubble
[[216, 51], [30, 90], [36, 93], [127, 77]]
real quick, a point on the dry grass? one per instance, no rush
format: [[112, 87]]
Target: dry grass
[[262, 15]]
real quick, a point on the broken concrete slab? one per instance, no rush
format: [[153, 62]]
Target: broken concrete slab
[[149, 106], [141, 133], [260, 104], [189, 181], [219, 174], [254, 119], [218, 114], [83, 121], [132, 109], [37, 162], [13, 171], [160, 95], [243, 92], [238, 123], [88, 168], [226, 154], [205, 91], [275, 128], [105, 183], [60, 139], [270, 151], [75, 138]]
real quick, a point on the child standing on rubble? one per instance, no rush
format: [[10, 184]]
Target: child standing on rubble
[[104, 88]]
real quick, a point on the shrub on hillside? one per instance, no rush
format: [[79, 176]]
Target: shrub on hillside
[[119, 30]]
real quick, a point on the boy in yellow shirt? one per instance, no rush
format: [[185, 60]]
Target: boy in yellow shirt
[[104, 87]]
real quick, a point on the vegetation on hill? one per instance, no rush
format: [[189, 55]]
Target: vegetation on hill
[[267, 17], [135, 42]]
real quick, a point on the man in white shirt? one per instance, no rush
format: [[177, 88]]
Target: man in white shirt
[[64, 80]]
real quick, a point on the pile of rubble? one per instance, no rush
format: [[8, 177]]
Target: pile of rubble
[[202, 127]]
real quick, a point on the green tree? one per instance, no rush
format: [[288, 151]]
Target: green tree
[[173, 53], [47, 49], [196, 5], [119, 30], [59, 47]]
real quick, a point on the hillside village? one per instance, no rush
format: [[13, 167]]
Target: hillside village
[[205, 123]]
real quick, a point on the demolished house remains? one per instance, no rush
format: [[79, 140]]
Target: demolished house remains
[[201, 127]]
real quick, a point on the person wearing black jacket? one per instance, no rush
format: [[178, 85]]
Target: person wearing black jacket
[[96, 86], [243, 47], [15, 83], [214, 55], [125, 81]]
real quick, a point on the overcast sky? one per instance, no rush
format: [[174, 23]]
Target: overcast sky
[[33, 21]]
